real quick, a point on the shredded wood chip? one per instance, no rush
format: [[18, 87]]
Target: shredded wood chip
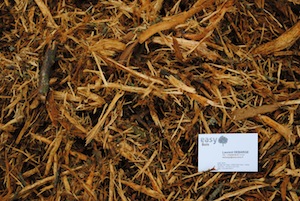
[[93, 132], [286, 40], [174, 20], [281, 129], [132, 84], [181, 85]]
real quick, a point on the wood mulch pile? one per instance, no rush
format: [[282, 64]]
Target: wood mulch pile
[[103, 100]]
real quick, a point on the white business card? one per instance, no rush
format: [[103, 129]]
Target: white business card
[[232, 152]]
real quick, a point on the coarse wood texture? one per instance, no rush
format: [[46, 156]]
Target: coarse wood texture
[[131, 84]]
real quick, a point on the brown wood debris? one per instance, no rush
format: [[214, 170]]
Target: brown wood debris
[[128, 85]]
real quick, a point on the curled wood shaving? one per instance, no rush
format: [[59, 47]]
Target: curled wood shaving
[[281, 129], [286, 40], [174, 20], [215, 19]]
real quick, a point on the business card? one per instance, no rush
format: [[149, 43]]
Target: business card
[[228, 152]]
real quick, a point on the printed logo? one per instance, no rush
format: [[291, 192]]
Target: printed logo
[[208, 140], [223, 140]]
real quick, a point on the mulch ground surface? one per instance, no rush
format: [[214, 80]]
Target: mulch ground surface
[[104, 100]]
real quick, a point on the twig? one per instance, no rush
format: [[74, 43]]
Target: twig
[[48, 62]]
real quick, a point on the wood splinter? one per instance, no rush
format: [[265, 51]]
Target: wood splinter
[[44, 77]]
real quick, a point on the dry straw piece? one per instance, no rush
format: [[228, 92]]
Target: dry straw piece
[[128, 85]]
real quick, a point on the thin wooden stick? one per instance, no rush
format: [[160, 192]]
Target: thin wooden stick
[[44, 78]]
